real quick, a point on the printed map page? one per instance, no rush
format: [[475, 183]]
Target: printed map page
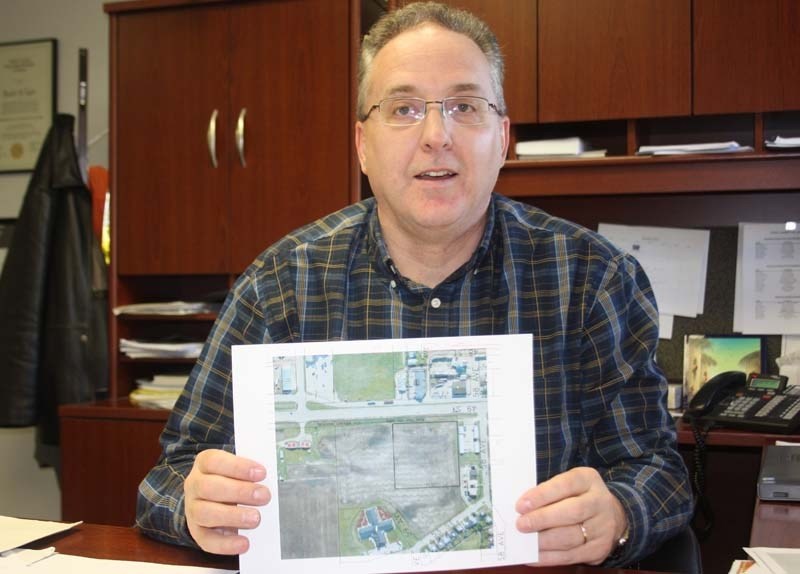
[[388, 456]]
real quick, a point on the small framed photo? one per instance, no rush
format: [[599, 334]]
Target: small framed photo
[[705, 356], [27, 101]]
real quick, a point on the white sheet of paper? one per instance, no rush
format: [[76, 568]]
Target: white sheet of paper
[[61, 563], [20, 558], [768, 281], [16, 532], [776, 560], [665, 323], [388, 455], [674, 259]]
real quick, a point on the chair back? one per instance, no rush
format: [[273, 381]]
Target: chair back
[[680, 554]]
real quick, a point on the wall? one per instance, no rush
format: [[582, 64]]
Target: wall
[[75, 24], [25, 489]]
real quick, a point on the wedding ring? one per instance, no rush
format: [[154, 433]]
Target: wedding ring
[[583, 531]]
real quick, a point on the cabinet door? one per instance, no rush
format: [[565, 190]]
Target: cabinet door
[[170, 202], [291, 70], [514, 24], [613, 59], [746, 55]]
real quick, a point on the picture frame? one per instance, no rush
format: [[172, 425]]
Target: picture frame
[[705, 356], [28, 76]]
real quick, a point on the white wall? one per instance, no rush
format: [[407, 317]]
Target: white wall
[[75, 24], [25, 489]]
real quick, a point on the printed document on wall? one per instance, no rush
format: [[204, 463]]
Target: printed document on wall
[[674, 259], [385, 456], [767, 280]]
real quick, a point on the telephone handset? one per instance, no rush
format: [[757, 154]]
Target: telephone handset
[[756, 402], [713, 391]]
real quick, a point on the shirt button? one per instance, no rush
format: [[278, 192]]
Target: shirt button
[[393, 284], [436, 303]]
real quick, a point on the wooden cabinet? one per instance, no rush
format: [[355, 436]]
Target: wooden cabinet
[[514, 22], [231, 124], [611, 59], [107, 447], [230, 129], [746, 56]]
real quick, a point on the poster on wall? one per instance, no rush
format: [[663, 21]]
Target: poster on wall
[[27, 101]]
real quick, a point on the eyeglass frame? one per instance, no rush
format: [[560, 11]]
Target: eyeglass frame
[[425, 110]]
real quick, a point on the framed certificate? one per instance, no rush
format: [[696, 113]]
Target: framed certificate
[[27, 101]]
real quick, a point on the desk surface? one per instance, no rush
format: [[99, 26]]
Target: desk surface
[[776, 524], [122, 543]]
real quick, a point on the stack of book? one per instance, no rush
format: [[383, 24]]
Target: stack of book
[[562, 148], [159, 392]]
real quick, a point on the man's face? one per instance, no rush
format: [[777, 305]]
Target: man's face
[[436, 176]]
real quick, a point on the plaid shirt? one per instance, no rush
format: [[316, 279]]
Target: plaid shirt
[[599, 396]]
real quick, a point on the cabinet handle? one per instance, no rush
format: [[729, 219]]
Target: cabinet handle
[[211, 136], [240, 136]]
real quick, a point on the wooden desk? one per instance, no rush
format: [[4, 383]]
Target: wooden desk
[[733, 461], [121, 543], [776, 524], [109, 446]]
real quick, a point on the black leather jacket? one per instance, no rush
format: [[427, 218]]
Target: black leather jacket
[[53, 315]]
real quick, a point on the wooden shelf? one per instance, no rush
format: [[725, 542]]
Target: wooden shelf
[[649, 175]]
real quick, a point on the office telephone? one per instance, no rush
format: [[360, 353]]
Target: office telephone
[[757, 402]]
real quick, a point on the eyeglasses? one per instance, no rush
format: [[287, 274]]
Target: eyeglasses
[[464, 110]]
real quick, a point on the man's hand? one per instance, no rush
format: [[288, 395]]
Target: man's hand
[[218, 483], [578, 520]]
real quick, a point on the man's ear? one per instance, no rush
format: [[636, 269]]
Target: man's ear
[[361, 146], [505, 134]]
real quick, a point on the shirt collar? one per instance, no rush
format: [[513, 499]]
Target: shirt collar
[[376, 245]]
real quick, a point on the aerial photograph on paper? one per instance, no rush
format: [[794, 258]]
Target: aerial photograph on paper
[[382, 453]]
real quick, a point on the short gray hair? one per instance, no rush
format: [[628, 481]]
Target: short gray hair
[[413, 15]]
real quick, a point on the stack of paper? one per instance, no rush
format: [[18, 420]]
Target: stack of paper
[[688, 149], [783, 143], [675, 261], [556, 149], [154, 350], [768, 561], [16, 532], [159, 392], [167, 308]]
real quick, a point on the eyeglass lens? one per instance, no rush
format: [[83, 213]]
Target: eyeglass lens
[[467, 110]]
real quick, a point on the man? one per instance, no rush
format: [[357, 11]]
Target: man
[[436, 253]]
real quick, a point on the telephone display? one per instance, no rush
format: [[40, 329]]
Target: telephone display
[[759, 403]]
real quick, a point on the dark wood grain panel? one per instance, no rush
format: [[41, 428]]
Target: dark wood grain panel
[[104, 457], [290, 69], [746, 56], [610, 59], [638, 175], [514, 22], [776, 524], [171, 73]]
